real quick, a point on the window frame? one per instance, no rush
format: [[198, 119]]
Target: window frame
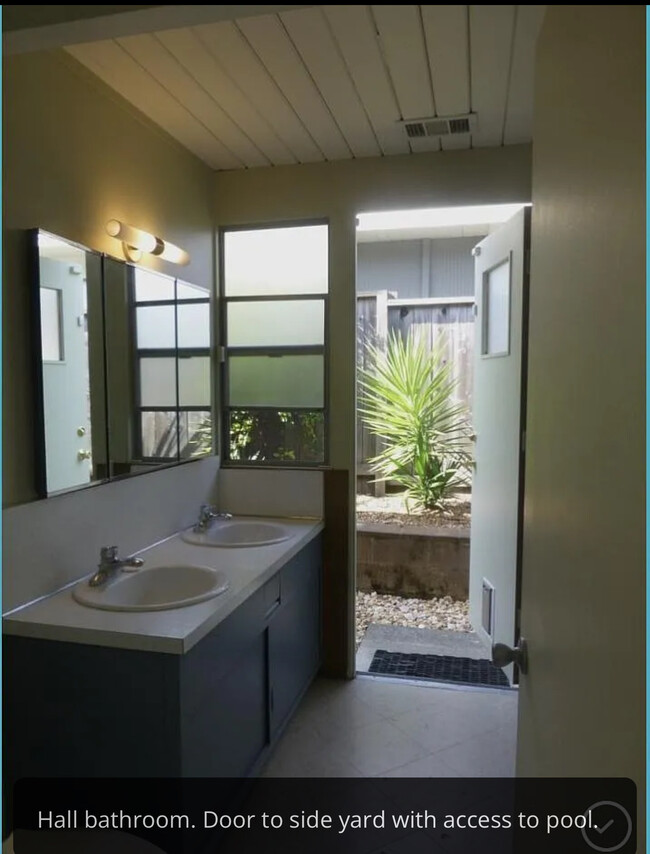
[[225, 351]]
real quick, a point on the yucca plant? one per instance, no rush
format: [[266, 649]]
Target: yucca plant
[[407, 400]]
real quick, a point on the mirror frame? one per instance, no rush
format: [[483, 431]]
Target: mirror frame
[[36, 344]]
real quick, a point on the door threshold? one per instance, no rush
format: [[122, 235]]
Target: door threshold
[[431, 683]]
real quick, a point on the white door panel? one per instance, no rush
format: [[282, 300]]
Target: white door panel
[[65, 375], [497, 415]]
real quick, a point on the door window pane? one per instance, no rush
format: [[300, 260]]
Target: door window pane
[[158, 382], [51, 337], [194, 381], [276, 324], [156, 327], [276, 381], [269, 261], [194, 325], [496, 311]]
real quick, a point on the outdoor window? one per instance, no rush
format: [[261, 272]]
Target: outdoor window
[[275, 285], [173, 376]]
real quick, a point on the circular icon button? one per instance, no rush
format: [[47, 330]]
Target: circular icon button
[[609, 826]]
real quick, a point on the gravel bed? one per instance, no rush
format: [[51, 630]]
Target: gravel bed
[[444, 613], [392, 510]]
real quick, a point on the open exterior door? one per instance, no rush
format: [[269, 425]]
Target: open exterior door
[[501, 286]]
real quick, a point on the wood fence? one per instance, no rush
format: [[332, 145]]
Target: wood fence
[[451, 320]]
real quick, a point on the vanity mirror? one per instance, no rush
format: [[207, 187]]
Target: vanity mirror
[[123, 367]]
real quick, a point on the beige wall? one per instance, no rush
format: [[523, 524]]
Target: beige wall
[[582, 705], [74, 157], [338, 191]]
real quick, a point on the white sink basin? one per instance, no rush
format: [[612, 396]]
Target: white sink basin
[[239, 534], [158, 588]]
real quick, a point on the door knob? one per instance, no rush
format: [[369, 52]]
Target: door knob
[[503, 655], [83, 455]]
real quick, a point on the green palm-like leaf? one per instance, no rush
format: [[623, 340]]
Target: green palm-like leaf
[[407, 400]]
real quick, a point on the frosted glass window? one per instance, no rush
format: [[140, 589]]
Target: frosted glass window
[[158, 382], [276, 324], [151, 286], [184, 290], [156, 327], [194, 325], [276, 261], [51, 332], [276, 381], [159, 435], [194, 381], [496, 311]]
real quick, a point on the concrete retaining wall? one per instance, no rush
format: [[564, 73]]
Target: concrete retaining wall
[[417, 562]]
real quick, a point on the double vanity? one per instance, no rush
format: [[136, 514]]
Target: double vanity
[[187, 658], [187, 664]]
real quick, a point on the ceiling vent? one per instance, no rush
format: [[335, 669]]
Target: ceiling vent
[[439, 126]]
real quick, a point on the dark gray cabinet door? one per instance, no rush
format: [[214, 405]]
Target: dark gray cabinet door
[[225, 734], [294, 634], [224, 696]]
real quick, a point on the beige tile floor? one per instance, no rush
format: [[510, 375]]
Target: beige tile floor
[[378, 727]]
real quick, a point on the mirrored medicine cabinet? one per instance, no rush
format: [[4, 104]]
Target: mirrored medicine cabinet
[[122, 367]]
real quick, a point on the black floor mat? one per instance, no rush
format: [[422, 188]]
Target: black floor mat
[[440, 668]]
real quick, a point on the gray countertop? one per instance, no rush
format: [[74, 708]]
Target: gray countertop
[[59, 617]]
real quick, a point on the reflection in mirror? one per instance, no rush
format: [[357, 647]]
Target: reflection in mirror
[[72, 395], [164, 362], [124, 368]]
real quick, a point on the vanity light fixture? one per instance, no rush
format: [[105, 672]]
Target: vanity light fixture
[[135, 241]]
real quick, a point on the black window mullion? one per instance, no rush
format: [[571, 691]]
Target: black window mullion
[[298, 350], [177, 374], [278, 298], [193, 408], [170, 302], [290, 409]]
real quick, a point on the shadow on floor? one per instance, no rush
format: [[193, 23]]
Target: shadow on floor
[[378, 727]]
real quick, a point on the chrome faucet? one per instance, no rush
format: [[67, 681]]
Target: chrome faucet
[[207, 515], [110, 564]]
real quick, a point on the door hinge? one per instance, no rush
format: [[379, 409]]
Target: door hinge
[[523, 441], [221, 355]]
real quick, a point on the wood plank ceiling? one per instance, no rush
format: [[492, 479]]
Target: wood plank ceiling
[[329, 82]]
